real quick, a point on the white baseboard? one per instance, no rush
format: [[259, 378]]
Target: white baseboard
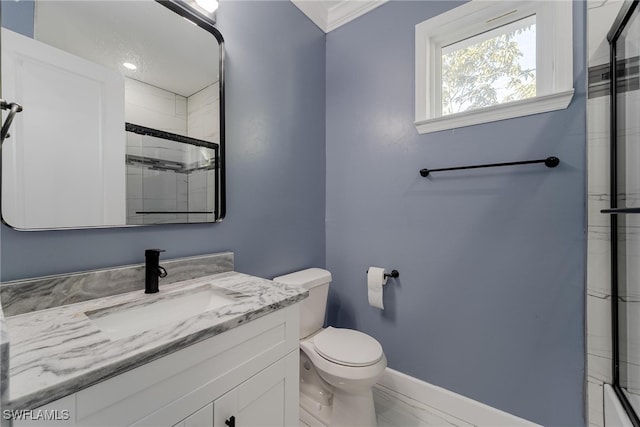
[[455, 405]]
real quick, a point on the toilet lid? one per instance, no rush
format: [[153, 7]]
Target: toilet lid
[[347, 347]]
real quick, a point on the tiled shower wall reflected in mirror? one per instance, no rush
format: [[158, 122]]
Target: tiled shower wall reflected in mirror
[[167, 181]]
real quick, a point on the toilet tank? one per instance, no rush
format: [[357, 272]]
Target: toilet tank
[[312, 309]]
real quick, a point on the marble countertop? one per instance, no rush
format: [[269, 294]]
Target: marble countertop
[[59, 351]]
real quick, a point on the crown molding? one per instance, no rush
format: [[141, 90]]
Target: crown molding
[[317, 11], [329, 15], [348, 10]]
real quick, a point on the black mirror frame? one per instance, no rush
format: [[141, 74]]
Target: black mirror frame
[[207, 24], [184, 10]]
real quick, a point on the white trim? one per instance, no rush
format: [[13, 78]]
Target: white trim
[[328, 15], [525, 107], [347, 11], [458, 406], [316, 11], [554, 74]]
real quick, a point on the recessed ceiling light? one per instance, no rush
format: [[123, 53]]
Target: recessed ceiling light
[[129, 65]]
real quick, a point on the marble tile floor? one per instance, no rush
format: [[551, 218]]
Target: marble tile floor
[[396, 410]]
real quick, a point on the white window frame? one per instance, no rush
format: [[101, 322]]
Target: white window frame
[[554, 59]]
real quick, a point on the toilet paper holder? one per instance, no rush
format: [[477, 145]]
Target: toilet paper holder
[[394, 274]]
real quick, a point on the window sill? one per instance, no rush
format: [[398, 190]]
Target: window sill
[[526, 107]]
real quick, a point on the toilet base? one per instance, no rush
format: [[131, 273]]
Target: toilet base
[[348, 410], [344, 392], [353, 409], [314, 414]]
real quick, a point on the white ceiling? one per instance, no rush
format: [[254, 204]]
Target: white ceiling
[[170, 52], [138, 33], [330, 14]]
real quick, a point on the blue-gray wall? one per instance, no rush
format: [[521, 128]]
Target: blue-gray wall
[[18, 16], [490, 301], [275, 157]]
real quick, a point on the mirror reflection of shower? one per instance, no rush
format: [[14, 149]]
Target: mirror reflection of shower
[[171, 152], [170, 178]]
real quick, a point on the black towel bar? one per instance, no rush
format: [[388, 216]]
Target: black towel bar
[[550, 162]]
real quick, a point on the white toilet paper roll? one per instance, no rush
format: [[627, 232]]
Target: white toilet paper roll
[[375, 282]]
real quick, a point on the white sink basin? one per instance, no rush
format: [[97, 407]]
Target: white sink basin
[[159, 310]]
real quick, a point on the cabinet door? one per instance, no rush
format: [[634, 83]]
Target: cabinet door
[[266, 399]]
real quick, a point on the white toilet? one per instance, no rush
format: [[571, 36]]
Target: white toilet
[[338, 367]]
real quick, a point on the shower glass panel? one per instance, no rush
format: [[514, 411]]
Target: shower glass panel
[[626, 225]]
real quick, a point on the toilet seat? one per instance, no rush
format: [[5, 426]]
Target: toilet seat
[[347, 377], [347, 347]]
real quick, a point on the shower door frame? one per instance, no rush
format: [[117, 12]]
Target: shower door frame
[[619, 25]]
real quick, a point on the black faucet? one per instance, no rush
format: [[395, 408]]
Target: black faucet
[[152, 270]]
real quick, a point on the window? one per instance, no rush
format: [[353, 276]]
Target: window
[[487, 61], [491, 68]]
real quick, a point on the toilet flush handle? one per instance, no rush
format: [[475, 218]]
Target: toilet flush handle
[[231, 422]]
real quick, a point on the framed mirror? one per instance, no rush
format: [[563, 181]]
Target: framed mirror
[[122, 120]]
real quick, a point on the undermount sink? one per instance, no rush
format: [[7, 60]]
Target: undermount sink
[[148, 313]]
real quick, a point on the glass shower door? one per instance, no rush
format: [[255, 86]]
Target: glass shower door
[[625, 207]]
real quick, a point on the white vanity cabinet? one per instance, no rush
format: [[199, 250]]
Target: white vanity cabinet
[[260, 401], [249, 372]]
